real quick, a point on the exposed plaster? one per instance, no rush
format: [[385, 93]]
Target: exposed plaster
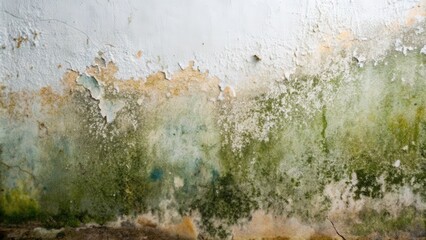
[[110, 108], [89, 82], [423, 50]]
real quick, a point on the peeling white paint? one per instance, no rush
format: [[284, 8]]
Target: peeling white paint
[[245, 45], [400, 47], [397, 163], [109, 109], [178, 182], [218, 35], [423, 50], [93, 85]]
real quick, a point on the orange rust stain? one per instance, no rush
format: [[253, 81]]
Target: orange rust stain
[[345, 35], [228, 93], [48, 96], [143, 221], [19, 40], [414, 13], [267, 226], [139, 54], [69, 80], [325, 49], [186, 228], [50, 100], [155, 88], [19, 104], [346, 38], [186, 81]]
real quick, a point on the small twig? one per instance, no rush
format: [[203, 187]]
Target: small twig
[[336, 230]]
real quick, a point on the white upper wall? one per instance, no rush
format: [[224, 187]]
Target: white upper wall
[[221, 36]]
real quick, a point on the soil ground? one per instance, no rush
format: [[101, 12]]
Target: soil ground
[[29, 232]]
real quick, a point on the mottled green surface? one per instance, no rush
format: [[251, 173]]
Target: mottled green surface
[[86, 170]]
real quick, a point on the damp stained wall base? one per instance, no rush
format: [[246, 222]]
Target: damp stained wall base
[[357, 157], [310, 156]]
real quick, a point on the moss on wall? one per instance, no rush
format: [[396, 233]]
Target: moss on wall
[[276, 151]]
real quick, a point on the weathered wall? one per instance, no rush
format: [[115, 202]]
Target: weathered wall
[[241, 119]]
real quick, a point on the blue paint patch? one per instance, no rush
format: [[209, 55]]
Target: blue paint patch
[[156, 174], [215, 175]]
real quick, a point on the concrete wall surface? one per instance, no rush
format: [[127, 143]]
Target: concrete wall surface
[[219, 119]]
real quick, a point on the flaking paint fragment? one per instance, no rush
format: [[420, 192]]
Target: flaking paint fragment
[[400, 47], [92, 84], [360, 59], [423, 50], [109, 109]]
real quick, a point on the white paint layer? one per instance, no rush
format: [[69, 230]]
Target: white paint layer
[[40, 40]]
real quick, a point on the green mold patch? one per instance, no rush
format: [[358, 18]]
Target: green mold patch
[[222, 204], [384, 135], [371, 128], [16, 206], [367, 185], [383, 223], [95, 171], [277, 151], [92, 176]]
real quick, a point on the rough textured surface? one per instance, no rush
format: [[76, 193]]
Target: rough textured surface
[[91, 233], [307, 123]]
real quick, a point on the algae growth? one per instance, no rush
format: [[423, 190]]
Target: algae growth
[[277, 151]]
